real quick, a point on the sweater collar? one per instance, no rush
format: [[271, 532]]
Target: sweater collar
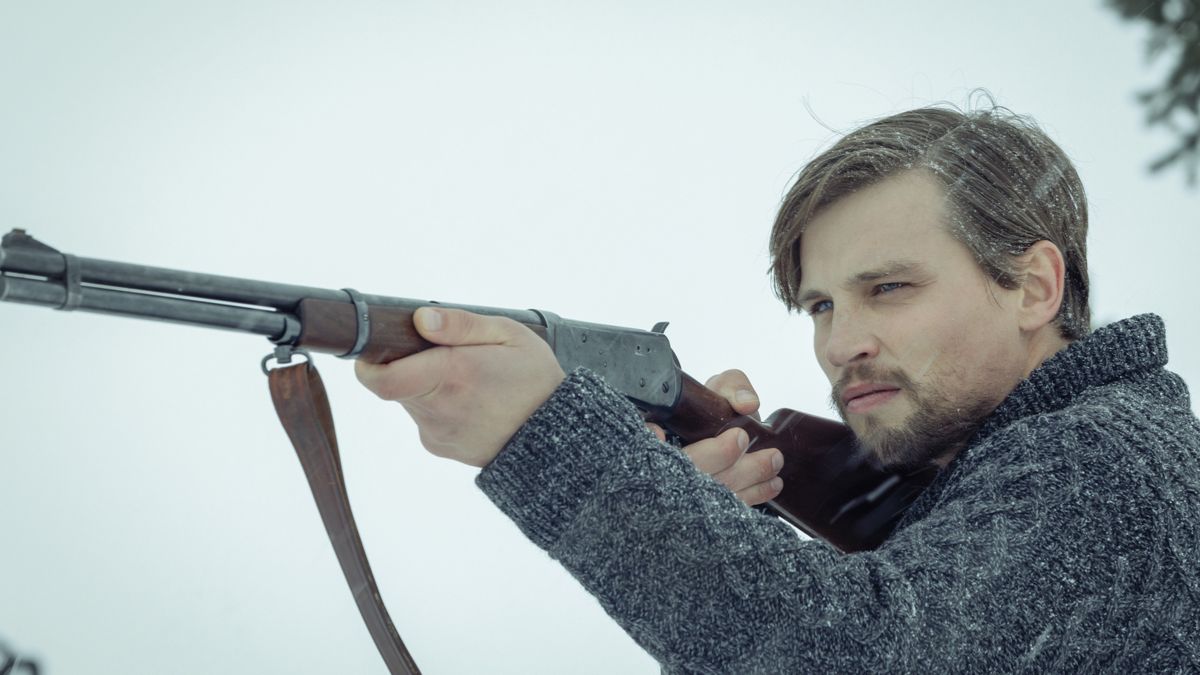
[[1119, 349], [1109, 353]]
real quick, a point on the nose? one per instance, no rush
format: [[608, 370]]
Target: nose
[[849, 340]]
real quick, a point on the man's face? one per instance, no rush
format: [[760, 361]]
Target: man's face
[[919, 344]]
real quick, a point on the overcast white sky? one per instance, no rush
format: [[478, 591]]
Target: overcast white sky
[[618, 164]]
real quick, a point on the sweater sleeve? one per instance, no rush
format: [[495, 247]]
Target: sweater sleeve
[[706, 584]]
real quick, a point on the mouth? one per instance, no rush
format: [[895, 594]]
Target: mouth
[[862, 398]]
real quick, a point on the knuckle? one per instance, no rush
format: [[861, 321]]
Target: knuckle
[[724, 378], [370, 377], [481, 329], [737, 374], [463, 323], [774, 488], [445, 371], [729, 451], [363, 371], [698, 451], [506, 330], [513, 331], [760, 493], [766, 468], [768, 491], [386, 388], [729, 383]]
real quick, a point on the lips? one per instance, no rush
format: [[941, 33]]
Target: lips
[[864, 397]]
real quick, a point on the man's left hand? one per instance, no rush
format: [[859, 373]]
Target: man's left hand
[[469, 395]]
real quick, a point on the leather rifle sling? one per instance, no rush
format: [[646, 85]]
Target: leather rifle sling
[[303, 407]]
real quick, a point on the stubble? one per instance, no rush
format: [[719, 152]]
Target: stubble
[[933, 433]]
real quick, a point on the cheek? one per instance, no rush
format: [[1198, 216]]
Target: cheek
[[978, 363], [945, 347], [921, 348], [820, 337], [826, 366]]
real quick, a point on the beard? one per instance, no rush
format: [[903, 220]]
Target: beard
[[934, 432]]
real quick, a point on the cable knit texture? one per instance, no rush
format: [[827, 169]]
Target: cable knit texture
[[1065, 538]]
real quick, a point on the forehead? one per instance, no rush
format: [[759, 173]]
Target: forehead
[[903, 217]]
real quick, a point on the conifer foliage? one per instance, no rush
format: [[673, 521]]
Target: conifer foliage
[[1175, 104]]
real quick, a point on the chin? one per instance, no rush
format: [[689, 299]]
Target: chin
[[931, 435], [895, 447], [903, 462]]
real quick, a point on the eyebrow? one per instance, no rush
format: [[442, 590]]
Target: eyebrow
[[887, 269]]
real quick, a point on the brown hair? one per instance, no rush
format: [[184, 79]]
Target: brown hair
[[1009, 185]]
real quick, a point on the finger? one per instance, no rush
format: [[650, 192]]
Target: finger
[[658, 431], [751, 469], [735, 387], [411, 377], [761, 493], [714, 455], [456, 327]]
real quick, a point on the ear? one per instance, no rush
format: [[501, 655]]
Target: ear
[[1042, 289]]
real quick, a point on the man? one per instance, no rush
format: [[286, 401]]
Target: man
[[941, 256]]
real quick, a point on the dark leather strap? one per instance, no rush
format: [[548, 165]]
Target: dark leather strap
[[303, 407]]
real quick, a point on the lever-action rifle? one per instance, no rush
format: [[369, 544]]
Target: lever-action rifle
[[832, 489]]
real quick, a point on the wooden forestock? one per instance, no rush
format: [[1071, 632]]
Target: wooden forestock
[[331, 327]]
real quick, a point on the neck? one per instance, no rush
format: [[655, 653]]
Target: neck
[[1043, 344], [1046, 342]]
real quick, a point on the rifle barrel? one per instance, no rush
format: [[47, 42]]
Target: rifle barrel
[[638, 363], [258, 321], [23, 255], [33, 273]]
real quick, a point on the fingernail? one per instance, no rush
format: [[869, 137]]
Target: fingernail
[[743, 439], [777, 483], [745, 396], [431, 319], [777, 461]]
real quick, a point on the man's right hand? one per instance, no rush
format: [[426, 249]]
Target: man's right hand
[[753, 477]]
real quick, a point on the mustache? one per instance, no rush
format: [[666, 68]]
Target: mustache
[[868, 373]]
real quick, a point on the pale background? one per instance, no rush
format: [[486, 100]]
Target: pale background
[[619, 165]]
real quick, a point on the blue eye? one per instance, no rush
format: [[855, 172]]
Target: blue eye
[[889, 287], [819, 307]]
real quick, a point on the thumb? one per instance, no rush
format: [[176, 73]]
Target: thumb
[[455, 327]]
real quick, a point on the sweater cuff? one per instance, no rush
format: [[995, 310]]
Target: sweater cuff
[[550, 467]]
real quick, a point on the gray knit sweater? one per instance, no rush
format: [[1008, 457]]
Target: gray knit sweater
[[1065, 538]]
